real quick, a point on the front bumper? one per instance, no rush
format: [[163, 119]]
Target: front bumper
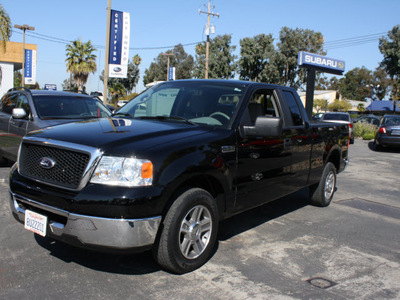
[[90, 231]]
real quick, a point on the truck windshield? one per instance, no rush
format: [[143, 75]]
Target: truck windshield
[[208, 103]]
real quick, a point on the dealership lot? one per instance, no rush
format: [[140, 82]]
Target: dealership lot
[[283, 250]]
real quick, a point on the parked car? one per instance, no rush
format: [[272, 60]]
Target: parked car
[[371, 119], [122, 102], [317, 117], [108, 105], [340, 117], [388, 133], [98, 94], [171, 164], [24, 110]]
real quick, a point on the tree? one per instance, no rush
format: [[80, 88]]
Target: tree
[[356, 84], [182, 62], [284, 69], [5, 27], [321, 82], [390, 48], [339, 105], [361, 107], [333, 84], [132, 78], [17, 78], [381, 83], [255, 54], [221, 58], [67, 85], [320, 104], [116, 91], [81, 61]]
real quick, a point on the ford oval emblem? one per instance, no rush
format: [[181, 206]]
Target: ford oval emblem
[[117, 69], [47, 163]]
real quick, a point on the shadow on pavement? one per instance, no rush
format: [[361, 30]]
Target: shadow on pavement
[[262, 214], [371, 146], [129, 264]]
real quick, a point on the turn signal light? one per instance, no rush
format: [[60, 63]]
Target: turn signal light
[[147, 170], [382, 130]]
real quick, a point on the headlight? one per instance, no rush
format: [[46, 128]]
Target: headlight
[[123, 171]]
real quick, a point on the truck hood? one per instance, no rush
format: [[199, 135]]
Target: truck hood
[[114, 135]]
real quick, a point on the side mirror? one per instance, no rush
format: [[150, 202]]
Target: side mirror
[[264, 127], [18, 113]]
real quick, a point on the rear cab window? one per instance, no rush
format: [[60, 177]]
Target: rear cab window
[[296, 118]]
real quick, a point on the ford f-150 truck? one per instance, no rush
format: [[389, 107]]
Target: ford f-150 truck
[[168, 166]]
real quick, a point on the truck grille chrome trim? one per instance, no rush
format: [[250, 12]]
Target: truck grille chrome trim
[[72, 164]]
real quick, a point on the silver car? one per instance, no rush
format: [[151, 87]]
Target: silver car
[[23, 110]]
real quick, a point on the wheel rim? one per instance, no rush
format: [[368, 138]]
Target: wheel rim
[[195, 232], [329, 185]]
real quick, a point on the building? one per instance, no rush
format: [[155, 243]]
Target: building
[[381, 107], [330, 96], [10, 61]]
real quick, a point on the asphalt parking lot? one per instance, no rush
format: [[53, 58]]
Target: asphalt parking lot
[[283, 250]]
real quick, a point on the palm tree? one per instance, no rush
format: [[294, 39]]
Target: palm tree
[[5, 27], [81, 61], [116, 91]]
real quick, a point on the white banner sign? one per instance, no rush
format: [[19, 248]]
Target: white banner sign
[[30, 66], [119, 44]]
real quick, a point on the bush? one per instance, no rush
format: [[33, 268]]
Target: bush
[[364, 130], [368, 136]]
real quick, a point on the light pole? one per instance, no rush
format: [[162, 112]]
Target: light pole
[[168, 55], [107, 54], [208, 13], [23, 28]]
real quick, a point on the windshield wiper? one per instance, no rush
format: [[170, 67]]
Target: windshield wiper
[[168, 118]]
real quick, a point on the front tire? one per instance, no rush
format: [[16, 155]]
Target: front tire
[[322, 195], [188, 233]]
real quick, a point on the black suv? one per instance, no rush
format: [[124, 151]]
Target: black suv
[[23, 110]]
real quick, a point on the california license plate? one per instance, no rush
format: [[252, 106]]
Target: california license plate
[[35, 222]]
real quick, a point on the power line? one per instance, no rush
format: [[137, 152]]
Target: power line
[[330, 45], [355, 41], [376, 35], [66, 42]]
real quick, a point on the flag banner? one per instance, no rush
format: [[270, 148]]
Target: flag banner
[[171, 73], [30, 66], [119, 44]]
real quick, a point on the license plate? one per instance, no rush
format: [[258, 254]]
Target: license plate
[[35, 222]]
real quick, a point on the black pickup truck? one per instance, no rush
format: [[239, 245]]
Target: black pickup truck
[[168, 166]]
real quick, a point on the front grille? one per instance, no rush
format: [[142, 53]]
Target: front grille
[[68, 169]]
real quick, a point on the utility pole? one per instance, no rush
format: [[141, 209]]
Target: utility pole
[[23, 28], [168, 55], [105, 82], [209, 14]]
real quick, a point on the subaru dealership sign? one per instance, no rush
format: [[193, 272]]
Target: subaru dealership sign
[[321, 63], [119, 44]]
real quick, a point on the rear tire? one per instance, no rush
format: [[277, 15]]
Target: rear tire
[[322, 194], [188, 232], [377, 146]]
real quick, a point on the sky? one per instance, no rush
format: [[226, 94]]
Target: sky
[[351, 28]]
